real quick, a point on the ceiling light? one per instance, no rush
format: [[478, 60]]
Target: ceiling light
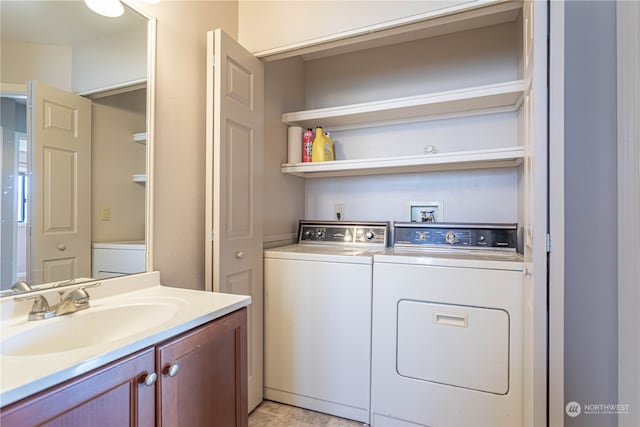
[[110, 8]]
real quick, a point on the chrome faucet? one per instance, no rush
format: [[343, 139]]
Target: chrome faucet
[[21, 286], [70, 302]]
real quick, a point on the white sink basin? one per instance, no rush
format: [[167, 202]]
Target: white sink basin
[[93, 326]]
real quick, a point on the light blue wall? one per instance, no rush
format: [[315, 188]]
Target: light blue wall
[[591, 301]]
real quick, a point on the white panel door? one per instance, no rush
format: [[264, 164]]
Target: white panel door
[[60, 184], [235, 86]]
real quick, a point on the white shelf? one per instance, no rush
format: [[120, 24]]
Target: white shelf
[[140, 137], [458, 17], [476, 159], [139, 178], [500, 97]]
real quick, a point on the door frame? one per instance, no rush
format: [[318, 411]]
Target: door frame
[[628, 146], [556, 214]]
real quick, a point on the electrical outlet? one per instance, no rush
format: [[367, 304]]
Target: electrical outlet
[[105, 214], [338, 209]]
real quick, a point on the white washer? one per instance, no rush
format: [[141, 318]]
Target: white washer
[[448, 327], [317, 318]]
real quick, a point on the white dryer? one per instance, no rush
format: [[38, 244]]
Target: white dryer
[[317, 317], [447, 346]]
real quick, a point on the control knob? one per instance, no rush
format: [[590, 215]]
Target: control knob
[[320, 234], [369, 235], [451, 237]]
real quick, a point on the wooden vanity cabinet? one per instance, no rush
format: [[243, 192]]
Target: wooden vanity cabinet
[[113, 395], [208, 387]]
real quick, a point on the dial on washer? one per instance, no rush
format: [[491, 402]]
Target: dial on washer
[[451, 237]]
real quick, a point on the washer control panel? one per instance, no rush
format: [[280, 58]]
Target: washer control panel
[[339, 232], [479, 236]]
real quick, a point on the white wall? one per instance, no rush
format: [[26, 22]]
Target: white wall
[[271, 24], [116, 59], [114, 158], [591, 304], [22, 62], [453, 61], [283, 194], [179, 235], [468, 196], [96, 64]]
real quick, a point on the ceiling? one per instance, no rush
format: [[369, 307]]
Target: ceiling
[[60, 22]]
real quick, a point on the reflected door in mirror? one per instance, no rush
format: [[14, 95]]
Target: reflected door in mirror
[[60, 185]]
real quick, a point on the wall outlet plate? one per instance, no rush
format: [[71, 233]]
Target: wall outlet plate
[[426, 211]]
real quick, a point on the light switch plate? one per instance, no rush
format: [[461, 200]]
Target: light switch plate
[[105, 214]]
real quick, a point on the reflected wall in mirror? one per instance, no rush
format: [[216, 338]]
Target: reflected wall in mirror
[[73, 154]]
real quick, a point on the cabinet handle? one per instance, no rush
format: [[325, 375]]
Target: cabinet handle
[[149, 379], [61, 246], [239, 254], [171, 370]]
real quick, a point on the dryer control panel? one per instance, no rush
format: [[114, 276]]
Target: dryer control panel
[[468, 235]]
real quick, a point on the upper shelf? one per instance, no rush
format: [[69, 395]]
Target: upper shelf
[[454, 17], [500, 97], [140, 137], [474, 159]]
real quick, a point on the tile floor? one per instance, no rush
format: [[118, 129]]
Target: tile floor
[[272, 414]]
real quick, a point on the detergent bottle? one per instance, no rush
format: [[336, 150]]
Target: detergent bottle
[[329, 153], [318, 148]]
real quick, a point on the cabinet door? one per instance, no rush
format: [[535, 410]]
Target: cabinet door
[[203, 379], [114, 395]]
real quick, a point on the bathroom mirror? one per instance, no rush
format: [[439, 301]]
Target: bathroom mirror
[[52, 232]]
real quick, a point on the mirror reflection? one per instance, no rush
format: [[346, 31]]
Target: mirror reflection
[[73, 154]]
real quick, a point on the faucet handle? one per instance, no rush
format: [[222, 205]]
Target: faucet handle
[[21, 286], [80, 295], [40, 303], [91, 285]]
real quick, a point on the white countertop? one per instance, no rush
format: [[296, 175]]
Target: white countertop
[[21, 376]]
